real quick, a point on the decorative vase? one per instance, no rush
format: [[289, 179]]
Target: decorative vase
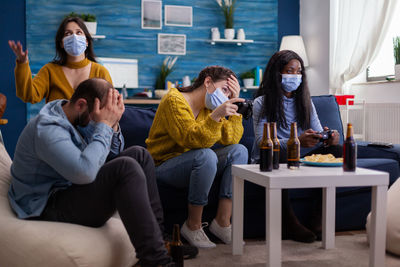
[[397, 71], [215, 34], [92, 27], [240, 35], [229, 34], [248, 82]]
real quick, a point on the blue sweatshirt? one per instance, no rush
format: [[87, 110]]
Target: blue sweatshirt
[[289, 107], [51, 154]]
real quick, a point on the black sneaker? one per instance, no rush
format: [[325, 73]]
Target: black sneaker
[[189, 251]]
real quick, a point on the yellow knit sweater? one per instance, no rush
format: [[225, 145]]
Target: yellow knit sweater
[[50, 82], [175, 130]]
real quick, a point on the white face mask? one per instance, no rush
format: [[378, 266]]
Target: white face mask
[[290, 82], [215, 99], [74, 44]]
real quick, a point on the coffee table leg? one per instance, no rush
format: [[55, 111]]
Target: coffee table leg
[[273, 228], [328, 217], [377, 244], [237, 216]]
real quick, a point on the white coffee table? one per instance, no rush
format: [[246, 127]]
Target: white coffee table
[[327, 178]]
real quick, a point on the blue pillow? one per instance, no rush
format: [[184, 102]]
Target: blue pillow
[[135, 125], [329, 113]]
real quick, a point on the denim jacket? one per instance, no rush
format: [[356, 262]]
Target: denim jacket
[[51, 154]]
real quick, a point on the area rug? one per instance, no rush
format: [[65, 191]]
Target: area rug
[[349, 251]]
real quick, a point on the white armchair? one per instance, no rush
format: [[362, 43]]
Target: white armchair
[[39, 243]]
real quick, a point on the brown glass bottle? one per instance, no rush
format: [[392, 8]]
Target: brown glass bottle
[[266, 150], [276, 146], [349, 151], [293, 148], [176, 247]]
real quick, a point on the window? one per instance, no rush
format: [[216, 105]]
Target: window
[[383, 65]]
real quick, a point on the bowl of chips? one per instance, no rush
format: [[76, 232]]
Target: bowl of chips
[[324, 160]]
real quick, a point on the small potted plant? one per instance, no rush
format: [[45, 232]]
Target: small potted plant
[[228, 8], [248, 78], [89, 19], [166, 68], [396, 50], [90, 22]]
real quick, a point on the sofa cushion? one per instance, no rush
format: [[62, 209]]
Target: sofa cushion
[[40, 243], [329, 113], [364, 151]]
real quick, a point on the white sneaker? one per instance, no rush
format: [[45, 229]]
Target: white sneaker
[[197, 238], [223, 233]]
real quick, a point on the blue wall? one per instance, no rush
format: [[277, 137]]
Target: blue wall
[[120, 21], [264, 21], [12, 19]]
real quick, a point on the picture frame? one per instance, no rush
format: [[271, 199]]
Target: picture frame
[[151, 14], [171, 44], [180, 16]]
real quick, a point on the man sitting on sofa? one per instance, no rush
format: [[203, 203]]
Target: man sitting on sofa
[[60, 170]]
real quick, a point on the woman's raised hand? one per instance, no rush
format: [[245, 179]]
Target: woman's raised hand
[[226, 109], [22, 57], [234, 86]]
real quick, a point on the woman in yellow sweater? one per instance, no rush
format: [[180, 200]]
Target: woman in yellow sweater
[[188, 122], [74, 62]]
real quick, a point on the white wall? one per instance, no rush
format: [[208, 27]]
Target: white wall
[[315, 29]]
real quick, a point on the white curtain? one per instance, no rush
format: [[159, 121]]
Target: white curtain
[[358, 28]]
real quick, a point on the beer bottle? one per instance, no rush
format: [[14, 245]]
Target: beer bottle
[[349, 151], [176, 247], [276, 146], [293, 148], [266, 150]]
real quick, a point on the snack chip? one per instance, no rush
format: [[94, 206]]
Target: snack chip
[[328, 158]]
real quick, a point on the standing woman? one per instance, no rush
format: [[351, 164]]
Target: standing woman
[[188, 122], [73, 63], [284, 97]]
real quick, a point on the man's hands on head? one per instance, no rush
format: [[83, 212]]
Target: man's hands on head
[[226, 109], [111, 111]]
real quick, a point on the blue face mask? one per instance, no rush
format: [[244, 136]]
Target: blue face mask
[[215, 99], [290, 82], [74, 44]]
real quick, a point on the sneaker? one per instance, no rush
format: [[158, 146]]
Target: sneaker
[[223, 233], [197, 238]]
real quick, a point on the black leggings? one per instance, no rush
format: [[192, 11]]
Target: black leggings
[[125, 184]]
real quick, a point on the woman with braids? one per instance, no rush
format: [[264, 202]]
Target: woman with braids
[[188, 122], [284, 97], [73, 63]]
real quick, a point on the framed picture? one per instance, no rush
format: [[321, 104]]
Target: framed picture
[[171, 44], [178, 16], [151, 14]]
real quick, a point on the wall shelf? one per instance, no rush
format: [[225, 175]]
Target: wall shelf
[[98, 36], [254, 87], [234, 41]]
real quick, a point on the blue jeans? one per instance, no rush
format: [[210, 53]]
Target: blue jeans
[[197, 169]]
